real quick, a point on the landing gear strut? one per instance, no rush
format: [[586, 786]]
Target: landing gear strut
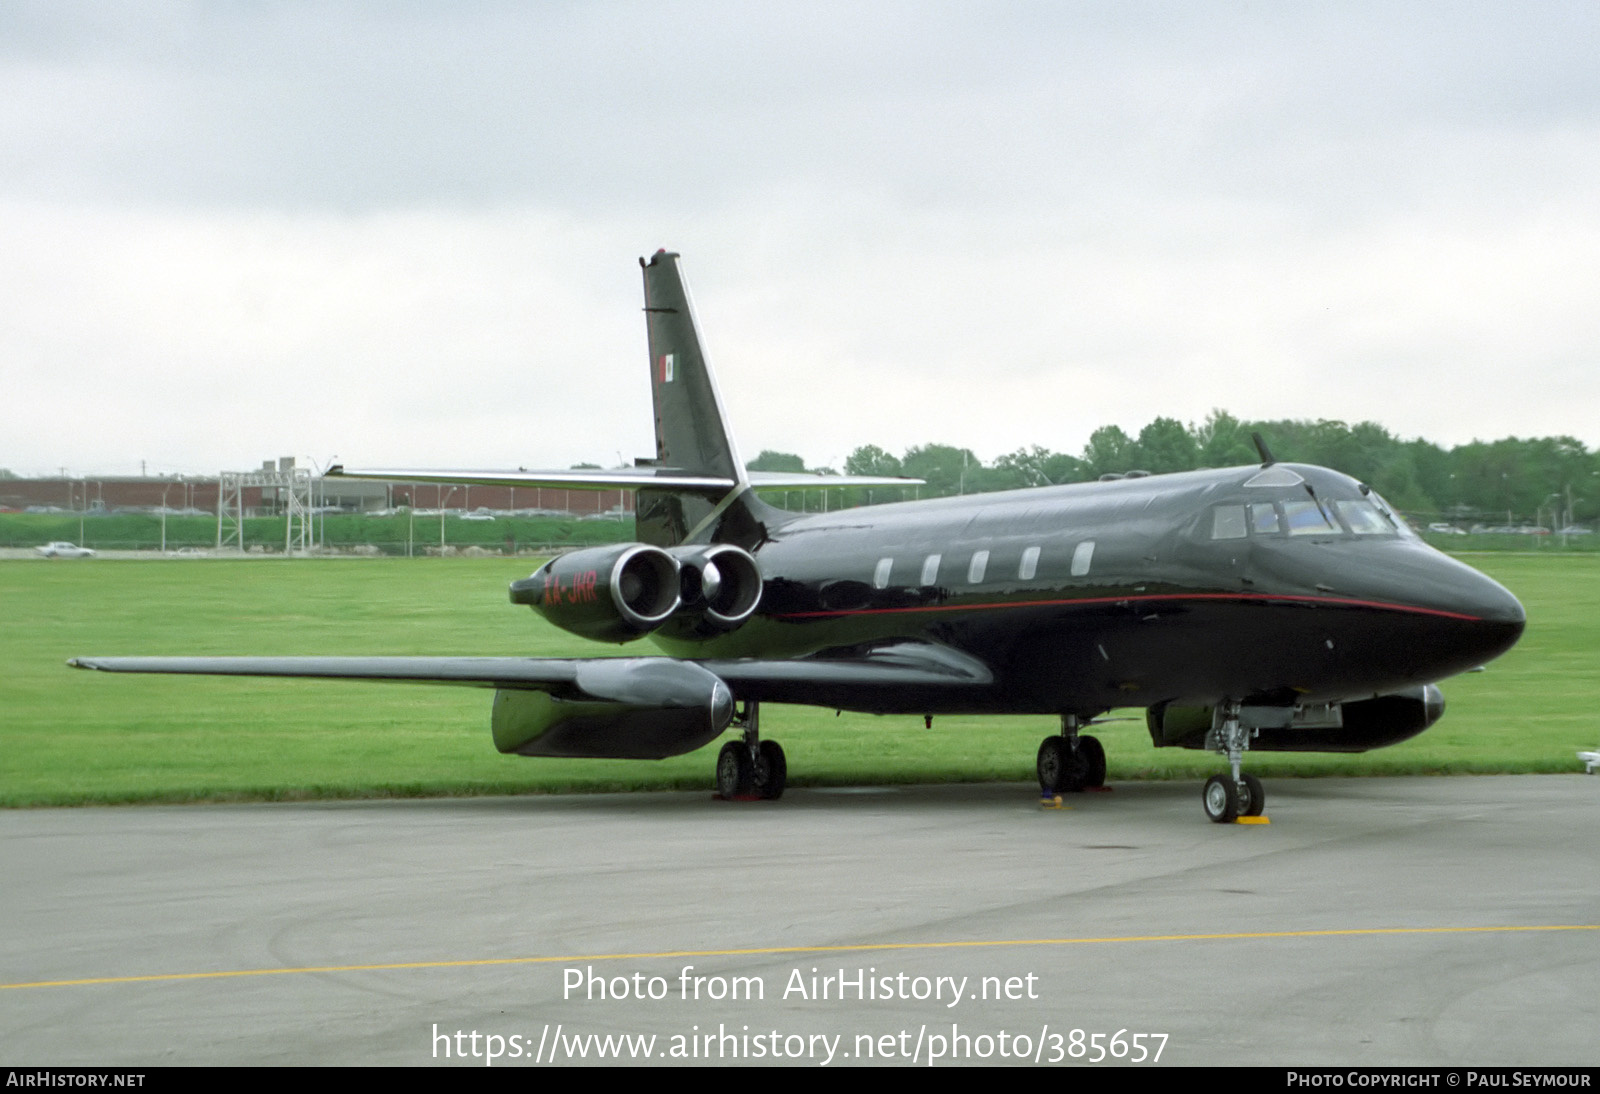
[[1228, 798], [1070, 761], [751, 768]]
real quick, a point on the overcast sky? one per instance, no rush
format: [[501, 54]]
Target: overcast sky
[[405, 234]]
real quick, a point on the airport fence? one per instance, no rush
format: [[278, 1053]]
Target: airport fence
[[395, 534]]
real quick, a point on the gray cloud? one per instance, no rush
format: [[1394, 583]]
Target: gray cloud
[[1010, 223]]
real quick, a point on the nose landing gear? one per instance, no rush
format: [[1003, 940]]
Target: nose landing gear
[[1228, 797]]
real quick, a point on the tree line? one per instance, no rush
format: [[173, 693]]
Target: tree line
[[1551, 481]]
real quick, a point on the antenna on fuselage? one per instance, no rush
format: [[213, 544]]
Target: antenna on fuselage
[[1267, 458]]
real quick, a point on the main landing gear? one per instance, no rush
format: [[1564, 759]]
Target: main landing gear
[[1226, 798], [750, 768], [1071, 761]]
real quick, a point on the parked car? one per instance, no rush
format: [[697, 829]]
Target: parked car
[[61, 549]]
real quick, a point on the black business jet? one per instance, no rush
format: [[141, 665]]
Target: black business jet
[[1277, 606]]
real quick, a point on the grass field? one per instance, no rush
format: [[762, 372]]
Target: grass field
[[71, 737]]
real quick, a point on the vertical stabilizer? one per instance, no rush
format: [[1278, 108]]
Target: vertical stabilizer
[[691, 427], [692, 434]]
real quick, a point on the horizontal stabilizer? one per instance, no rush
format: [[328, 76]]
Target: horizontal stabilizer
[[800, 480], [626, 478]]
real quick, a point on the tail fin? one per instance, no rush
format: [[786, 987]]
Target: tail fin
[[692, 433]]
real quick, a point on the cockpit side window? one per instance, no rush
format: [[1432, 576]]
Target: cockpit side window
[[1264, 519], [1227, 522]]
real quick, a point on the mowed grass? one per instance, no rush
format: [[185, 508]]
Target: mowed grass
[[69, 737]]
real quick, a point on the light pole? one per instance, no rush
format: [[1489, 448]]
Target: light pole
[[164, 490], [441, 520]]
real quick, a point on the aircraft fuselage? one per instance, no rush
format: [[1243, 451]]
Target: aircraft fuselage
[[1190, 588]]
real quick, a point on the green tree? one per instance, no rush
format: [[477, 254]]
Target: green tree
[[1036, 466], [946, 470], [1224, 441], [869, 459], [776, 461], [1109, 451], [1165, 445]]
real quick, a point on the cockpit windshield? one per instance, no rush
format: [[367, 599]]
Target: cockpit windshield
[[1304, 514]]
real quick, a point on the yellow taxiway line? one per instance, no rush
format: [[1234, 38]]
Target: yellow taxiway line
[[767, 951]]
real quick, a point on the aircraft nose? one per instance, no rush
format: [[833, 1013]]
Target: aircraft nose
[[1492, 619], [1502, 615], [1494, 603]]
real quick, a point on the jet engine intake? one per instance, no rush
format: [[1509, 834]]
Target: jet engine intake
[[612, 594], [1354, 726], [720, 587]]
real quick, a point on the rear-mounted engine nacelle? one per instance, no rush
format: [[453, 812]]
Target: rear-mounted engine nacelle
[[719, 588], [612, 594]]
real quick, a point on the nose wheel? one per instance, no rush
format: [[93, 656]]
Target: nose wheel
[[1226, 798]]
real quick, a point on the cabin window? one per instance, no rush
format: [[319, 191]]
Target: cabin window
[[1082, 555], [1264, 519], [1227, 522], [975, 569], [930, 570], [1306, 518], [880, 576], [1030, 564]]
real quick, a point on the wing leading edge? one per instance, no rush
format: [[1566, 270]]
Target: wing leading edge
[[859, 674], [627, 707]]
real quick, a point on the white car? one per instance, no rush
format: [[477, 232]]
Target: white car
[[61, 549]]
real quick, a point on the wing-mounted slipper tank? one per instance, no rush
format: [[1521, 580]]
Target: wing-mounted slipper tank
[[616, 708]]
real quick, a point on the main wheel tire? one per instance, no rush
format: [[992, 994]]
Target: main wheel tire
[[1252, 796], [1221, 799], [1093, 755], [735, 772], [771, 770], [1060, 767]]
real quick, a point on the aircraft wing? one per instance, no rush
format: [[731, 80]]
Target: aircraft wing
[[485, 672], [906, 676]]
